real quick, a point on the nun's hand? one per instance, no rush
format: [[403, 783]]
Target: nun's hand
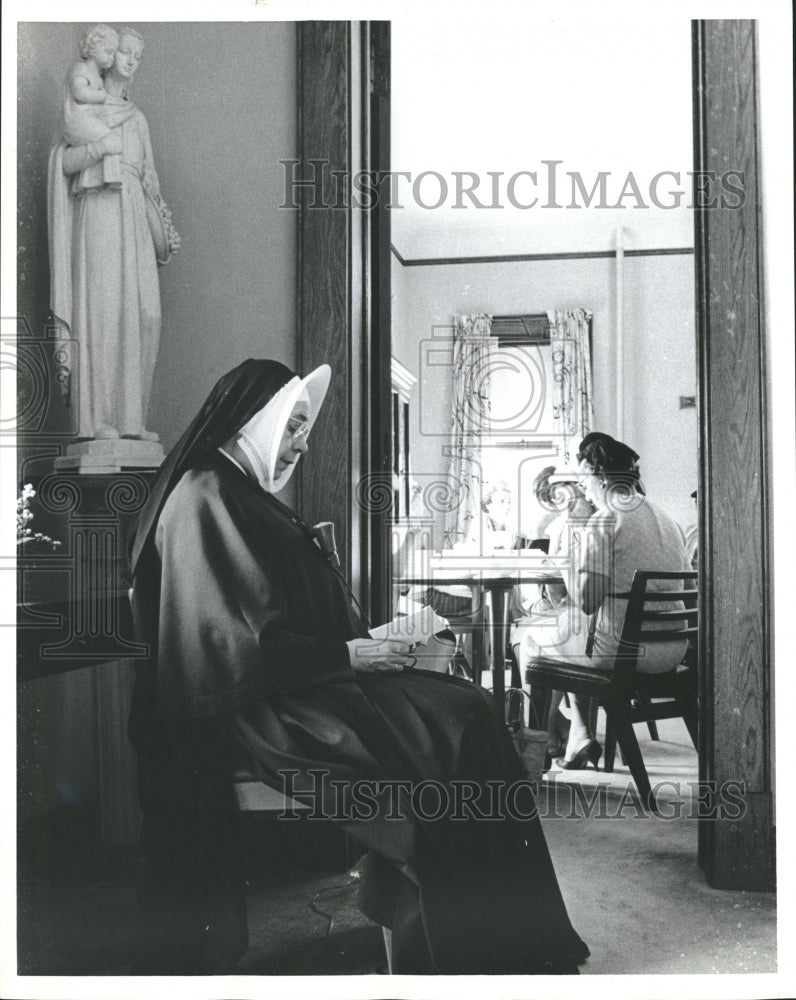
[[380, 655]]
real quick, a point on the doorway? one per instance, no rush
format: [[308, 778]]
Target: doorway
[[732, 432]]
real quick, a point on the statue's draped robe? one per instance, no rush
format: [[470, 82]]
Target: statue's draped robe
[[248, 625], [104, 291]]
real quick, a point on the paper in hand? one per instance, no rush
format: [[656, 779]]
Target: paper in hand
[[417, 628]]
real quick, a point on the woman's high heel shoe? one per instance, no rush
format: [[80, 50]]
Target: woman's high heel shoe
[[589, 754]]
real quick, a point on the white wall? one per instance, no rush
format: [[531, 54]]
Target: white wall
[[505, 89], [218, 136], [660, 355]]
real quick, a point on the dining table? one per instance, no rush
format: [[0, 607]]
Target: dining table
[[491, 578]]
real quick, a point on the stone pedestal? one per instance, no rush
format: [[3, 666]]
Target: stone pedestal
[[110, 455]]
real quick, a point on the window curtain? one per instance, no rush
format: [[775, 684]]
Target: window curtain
[[573, 407], [472, 346]]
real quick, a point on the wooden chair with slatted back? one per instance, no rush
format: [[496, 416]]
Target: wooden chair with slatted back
[[627, 694]]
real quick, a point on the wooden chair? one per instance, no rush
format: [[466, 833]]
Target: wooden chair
[[627, 694]]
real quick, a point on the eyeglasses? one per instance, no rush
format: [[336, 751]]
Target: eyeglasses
[[298, 431]]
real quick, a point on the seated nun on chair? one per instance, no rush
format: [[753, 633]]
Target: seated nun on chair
[[262, 660]]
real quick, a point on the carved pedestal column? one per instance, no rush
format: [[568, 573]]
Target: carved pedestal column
[[75, 614]]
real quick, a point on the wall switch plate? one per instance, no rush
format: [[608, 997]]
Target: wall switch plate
[[687, 402]]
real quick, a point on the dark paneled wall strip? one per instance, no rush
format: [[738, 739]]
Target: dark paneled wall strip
[[736, 750]]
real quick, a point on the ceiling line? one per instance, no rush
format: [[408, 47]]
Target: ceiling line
[[522, 257]]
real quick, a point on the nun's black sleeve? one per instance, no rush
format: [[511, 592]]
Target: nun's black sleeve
[[247, 605]]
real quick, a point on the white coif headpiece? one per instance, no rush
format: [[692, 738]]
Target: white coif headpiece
[[261, 436]]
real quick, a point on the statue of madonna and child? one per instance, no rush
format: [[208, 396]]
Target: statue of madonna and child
[[109, 230]]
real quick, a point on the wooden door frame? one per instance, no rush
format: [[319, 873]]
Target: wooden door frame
[[379, 390], [343, 291], [344, 312], [736, 746]]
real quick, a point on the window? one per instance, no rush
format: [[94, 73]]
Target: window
[[521, 438]]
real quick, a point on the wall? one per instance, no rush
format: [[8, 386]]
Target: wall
[[503, 90], [221, 106], [660, 359], [226, 115]]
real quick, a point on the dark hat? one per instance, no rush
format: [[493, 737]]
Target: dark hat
[[593, 437], [607, 455]]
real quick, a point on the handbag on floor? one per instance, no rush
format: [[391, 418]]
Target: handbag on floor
[[530, 743], [436, 653]]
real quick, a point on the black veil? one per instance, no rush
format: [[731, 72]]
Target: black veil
[[234, 399]]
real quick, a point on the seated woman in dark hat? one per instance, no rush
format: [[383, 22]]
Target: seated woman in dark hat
[[596, 437], [628, 531], [260, 659]]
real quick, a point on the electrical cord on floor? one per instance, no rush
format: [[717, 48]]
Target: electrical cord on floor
[[354, 877]]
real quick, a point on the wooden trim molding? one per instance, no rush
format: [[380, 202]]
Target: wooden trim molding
[[378, 336], [344, 294], [736, 752], [524, 257], [324, 271]]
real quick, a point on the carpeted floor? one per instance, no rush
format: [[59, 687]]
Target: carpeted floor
[[631, 882]]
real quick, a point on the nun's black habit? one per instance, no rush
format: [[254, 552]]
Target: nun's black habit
[[247, 624]]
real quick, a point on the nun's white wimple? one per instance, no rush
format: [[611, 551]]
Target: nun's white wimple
[[261, 436]]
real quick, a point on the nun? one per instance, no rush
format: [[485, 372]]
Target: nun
[[261, 659]]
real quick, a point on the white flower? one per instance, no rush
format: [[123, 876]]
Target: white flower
[[25, 515]]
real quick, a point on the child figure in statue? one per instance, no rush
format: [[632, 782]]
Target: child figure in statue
[[84, 118], [104, 290]]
